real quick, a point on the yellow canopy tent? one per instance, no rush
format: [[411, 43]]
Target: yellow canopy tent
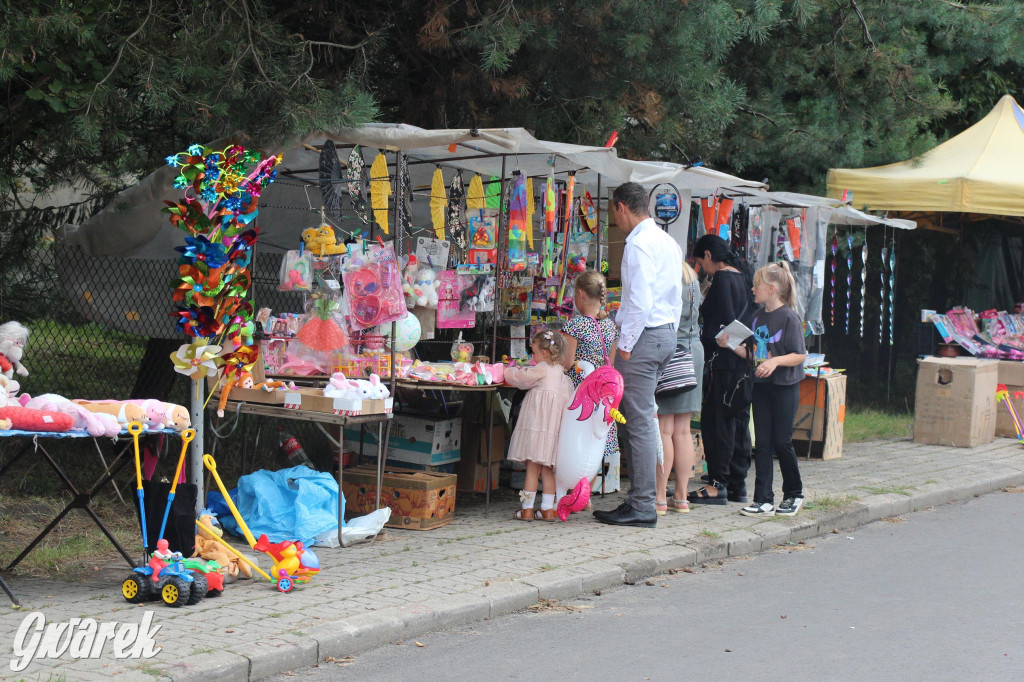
[[981, 170]]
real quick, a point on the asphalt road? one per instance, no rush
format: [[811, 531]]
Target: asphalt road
[[936, 595]]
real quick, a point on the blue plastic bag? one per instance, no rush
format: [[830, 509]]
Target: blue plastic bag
[[292, 504]]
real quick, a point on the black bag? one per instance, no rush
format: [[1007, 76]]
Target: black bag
[[737, 398], [181, 523]]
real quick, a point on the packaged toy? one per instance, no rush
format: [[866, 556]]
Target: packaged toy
[[296, 271]]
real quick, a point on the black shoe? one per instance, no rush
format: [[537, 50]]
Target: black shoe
[[700, 495], [738, 497], [628, 517], [601, 514], [705, 479], [790, 506]]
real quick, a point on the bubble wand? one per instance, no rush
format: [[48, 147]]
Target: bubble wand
[[863, 279], [849, 279]]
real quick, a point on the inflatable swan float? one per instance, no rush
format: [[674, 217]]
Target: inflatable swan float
[[585, 426]]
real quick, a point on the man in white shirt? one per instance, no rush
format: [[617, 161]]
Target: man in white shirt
[[652, 300]]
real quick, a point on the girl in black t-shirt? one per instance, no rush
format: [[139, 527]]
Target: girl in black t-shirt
[[778, 369]]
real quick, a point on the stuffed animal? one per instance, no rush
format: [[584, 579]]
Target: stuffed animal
[[339, 386], [124, 411], [177, 417], [245, 380], [321, 241], [156, 412], [27, 419], [208, 547], [420, 285], [93, 424], [13, 337], [8, 390]]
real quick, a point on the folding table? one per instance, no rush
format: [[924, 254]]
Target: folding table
[[121, 445]]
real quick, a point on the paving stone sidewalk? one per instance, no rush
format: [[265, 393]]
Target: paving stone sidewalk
[[485, 564]]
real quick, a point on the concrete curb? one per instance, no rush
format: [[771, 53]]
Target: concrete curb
[[366, 631]]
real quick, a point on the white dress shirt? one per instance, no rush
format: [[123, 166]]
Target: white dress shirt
[[652, 282]]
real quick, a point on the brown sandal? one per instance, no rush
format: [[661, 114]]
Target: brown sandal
[[524, 514], [546, 515]]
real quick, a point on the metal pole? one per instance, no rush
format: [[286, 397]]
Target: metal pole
[[195, 465], [502, 254], [597, 265]]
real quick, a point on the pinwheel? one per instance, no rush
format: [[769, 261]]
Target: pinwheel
[[475, 194], [380, 190], [197, 359], [438, 201], [199, 248], [198, 322], [240, 360], [240, 253], [197, 285]]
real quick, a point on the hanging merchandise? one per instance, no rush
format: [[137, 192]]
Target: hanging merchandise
[[849, 278], [588, 212], [320, 241], [570, 212], [516, 299], [296, 272], [404, 183], [863, 280], [479, 295], [462, 351], [373, 286], [320, 331], [450, 314], [667, 204], [483, 241], [881, 291], [793, 226], [475, 195], [330, 176], [832, 302], [358, 185], [892, 290], [456, 218], [708, 211], [530, 210], [723, 218], [550, 220], [754, 242], [517, 224], [438, 202], [492, 195], [380, 190]]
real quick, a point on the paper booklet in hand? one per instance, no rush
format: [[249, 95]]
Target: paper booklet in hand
[[737, 332]]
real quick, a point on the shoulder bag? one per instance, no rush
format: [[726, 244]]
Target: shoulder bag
[[679, 375]]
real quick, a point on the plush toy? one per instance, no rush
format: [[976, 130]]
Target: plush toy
[[356, 389], [93, 424], [13, 337], [245, 380], [321, 241], [156, 412], [177, 417], [420, 285], [8, 390], [27, 419], [208, 547], [124, 411]]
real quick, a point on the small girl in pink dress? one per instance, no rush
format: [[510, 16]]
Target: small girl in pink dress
[[535, 440]]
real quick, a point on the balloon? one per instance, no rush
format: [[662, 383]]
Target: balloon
[[581, 438], [407, 332]]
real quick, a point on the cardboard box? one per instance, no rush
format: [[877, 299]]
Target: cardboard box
[[473, 443], [419, 500], [956, 401], [1012, 375], [473, 475], [313, 400], [418, 440], [824, 400]]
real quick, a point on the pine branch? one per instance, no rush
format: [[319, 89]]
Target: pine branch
[[867, 33]]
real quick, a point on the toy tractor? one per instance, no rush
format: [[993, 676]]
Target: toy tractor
[[166, 578]]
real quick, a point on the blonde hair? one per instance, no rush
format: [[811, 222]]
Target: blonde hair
[[781, 277], [552, 342], [592, 283], [689, 276]]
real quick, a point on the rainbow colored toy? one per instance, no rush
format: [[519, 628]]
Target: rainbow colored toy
[[1003, 396]]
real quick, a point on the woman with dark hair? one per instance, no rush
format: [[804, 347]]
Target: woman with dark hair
[[725, 413]]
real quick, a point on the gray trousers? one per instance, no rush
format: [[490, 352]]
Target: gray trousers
[[639, 436]]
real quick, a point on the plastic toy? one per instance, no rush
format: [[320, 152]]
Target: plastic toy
[[1003, 396], [164, 574], [297, 270], [293, 563], [462, 351], [584, 429]]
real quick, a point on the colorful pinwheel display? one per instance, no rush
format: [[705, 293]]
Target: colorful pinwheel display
[[218, 210]]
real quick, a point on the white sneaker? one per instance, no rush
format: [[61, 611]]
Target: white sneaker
[[790, 506], [755, 509]]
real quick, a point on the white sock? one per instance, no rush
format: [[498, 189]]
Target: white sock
[[547, 501], [526, 498]]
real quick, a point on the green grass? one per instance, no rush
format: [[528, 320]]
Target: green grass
[[709, 533], [872, 424], [829, 501]]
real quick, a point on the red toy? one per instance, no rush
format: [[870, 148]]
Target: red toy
[[293, 563]]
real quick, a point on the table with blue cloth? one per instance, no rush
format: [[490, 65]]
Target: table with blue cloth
[[34, 443]]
